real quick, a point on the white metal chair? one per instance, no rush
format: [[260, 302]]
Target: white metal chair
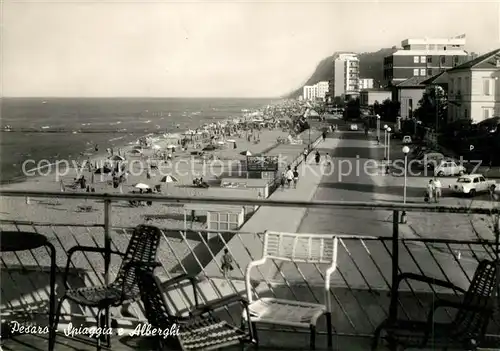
[[297, 248]]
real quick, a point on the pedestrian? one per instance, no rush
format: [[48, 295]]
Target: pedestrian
[[317, 157], [227, 264], [324, 135], [430, 190], [289, 177], [328, 159], [295, 177], [282, 181], [305, 155], [437, 189]]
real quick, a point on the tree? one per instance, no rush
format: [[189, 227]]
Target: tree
[[338, 101], [376, 108], [433, 107], [390, 110]]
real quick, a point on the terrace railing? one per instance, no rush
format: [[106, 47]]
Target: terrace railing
[[361, 287]]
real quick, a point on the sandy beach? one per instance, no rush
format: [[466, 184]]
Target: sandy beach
[[184, 168]]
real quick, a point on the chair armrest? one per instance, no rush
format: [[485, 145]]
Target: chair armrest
[[428, 280], [80, 248], [222, 302]]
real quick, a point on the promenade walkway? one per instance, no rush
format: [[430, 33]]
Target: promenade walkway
[[245, 247]]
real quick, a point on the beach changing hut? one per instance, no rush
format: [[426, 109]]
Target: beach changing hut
[[222, 217]]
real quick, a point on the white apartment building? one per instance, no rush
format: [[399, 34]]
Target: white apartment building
[[474, 88], [316, 91], [365, 83], [345, 79]]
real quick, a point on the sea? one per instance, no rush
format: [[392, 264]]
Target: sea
[[55, 129]]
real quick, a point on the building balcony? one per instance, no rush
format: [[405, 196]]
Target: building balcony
[[360, 290]]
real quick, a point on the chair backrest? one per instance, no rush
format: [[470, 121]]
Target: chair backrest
[[471, 321], [155, 305], [142, 248], [300, 248]]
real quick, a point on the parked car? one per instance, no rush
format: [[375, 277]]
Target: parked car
[[353, 127], [449, 168], [407, 140], [429, 160], [472, 184]]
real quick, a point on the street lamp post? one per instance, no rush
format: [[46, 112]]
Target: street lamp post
[[388, 145], [385, 140], [406, 150], [378, 129]]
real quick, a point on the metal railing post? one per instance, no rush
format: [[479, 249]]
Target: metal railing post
[[107, 239], [393, 309]]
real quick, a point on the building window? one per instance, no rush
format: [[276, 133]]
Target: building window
[[459, 85], [467, 85], [423, 59], [415, 59], [452, 85], [443, 60], [223, 221], [429, 59], [429, 72], [466, 113], [422, 72], [415, 71], [486, 87]]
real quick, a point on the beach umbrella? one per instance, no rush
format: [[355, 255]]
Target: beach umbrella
[[221, 142], [231, 141], [117, 158], [169, 179], [135, 151], [171, 146], [156, 147], [137, 147], [246, 153], [141, 186]]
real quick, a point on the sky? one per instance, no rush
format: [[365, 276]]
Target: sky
[[209, 49]]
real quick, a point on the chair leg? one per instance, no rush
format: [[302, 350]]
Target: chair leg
[[52, 339], [313, 336], [99, 325], [376, 337], [255, 334], [329, 329]]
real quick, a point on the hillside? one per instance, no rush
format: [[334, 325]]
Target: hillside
[[371, 65]]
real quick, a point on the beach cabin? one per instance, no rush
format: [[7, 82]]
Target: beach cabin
[[219, 217]]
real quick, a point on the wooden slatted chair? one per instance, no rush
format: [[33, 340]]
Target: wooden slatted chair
[[465, 331], [201, 329], [297, 248], [142, 248]]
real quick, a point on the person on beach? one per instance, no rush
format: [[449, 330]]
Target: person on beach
[[295, 177], [289, 177], [227, 264]]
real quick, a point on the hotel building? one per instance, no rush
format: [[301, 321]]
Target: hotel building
[[345, 78]]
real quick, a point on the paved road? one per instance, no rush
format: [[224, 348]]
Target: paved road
[[367, 264]]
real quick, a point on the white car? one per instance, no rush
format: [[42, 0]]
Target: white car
[[472, 184], [448, 168], [407, 139], [353, 127]]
